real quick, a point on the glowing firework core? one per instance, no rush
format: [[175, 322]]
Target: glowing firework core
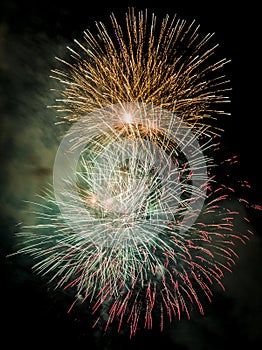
[[131, 180], [128, 118]]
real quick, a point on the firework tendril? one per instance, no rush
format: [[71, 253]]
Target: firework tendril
[[127, 226]]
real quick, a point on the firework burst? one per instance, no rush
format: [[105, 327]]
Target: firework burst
[[132, 181], [167, 64]]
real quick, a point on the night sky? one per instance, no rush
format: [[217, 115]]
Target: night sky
[[31, 35]]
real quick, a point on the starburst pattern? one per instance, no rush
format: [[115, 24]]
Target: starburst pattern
[[132, 182], [168, 64]]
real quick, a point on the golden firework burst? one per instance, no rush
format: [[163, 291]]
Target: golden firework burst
[[167, 63]]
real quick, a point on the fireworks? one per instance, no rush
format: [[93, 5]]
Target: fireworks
[[131, 233]]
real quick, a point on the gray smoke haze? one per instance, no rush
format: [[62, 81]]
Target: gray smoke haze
[[29, 137]]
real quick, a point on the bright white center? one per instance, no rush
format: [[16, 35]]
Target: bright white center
[[128, 118]]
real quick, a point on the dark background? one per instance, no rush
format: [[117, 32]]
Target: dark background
[[31, 35]]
